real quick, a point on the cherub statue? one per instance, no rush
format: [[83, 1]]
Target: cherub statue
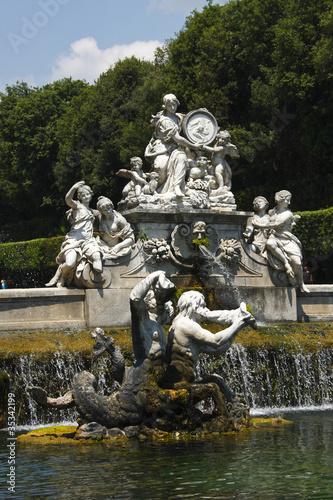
[[152, 185], [138, 178], [199, 169], [222, 148], [79, 243]]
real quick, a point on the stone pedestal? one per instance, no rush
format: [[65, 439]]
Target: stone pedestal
[[177, 228], [108, 307]]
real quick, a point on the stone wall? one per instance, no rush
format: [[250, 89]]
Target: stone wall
[[40, 308]]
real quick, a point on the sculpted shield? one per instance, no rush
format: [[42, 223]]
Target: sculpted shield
[[200, 126]]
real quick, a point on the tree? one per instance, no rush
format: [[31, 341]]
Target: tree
[[29, 148], [262, 67], [107, 125]]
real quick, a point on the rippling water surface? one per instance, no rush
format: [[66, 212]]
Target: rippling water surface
[[287, 461]]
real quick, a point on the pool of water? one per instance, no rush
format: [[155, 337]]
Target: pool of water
[[285, 462]]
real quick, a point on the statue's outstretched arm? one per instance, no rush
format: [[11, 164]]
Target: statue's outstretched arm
[[40, 396], [223, 317], [184, 142], [221, 341]]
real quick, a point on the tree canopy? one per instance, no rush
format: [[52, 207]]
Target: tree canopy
[[264, 68]]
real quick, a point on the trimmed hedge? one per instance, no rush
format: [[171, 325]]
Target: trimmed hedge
[[315, 231], [32, 263], [29, 263]]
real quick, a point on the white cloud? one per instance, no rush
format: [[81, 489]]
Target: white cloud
[[86, 61], [177, 5]]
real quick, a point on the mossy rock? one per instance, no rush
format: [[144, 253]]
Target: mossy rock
[[269, 422], [58, 434]]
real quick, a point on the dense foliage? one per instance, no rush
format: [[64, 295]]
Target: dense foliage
[[28, 151], [29, 263], [264, 68], [315, 231]]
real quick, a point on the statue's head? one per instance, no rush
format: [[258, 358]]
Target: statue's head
[[160, 306], [199, 229], [223, 136], [105, 206], [136, 163], [154, 176], [260, 202], [190, 302], [164, 290], [170, 98], [150, 301], [83, 191], [282, 195]]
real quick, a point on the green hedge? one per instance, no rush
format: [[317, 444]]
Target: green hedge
[[29, 263], [315, 231]]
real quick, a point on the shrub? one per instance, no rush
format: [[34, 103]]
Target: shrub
[[29, 263], [315, 231]]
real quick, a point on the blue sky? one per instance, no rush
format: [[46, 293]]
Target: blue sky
[[45, 40]]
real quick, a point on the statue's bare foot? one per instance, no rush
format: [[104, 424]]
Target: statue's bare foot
[[304, 288], [289, 271], [61, 283], [56, 278], [52, 282]]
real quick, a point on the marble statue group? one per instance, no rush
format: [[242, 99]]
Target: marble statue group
[[193, 229], [269, 233], [81, 247], [179, 171], [188, 158]]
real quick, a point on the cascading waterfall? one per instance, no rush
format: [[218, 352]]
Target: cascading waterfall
[[267, 378], [263, 377], [53, 373]]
